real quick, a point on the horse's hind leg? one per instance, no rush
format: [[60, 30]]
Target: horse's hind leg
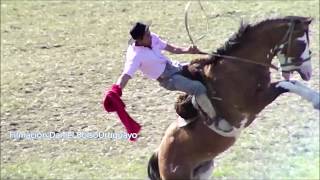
[[203, 171], [174, 156]]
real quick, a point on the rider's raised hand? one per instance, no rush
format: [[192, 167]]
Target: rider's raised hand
[[194, 50]]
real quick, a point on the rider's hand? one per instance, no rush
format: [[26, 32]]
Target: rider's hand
[[109, 98], [194, 50], [116, 89]]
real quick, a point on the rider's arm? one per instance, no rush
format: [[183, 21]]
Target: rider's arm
[[176, 50], [131, 66], [180, 50], [123, 80]]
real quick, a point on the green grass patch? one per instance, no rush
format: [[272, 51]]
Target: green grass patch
[[75, 166]]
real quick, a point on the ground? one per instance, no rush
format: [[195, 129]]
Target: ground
[[57, 59]]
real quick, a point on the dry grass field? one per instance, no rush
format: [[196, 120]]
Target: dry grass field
[[58, 57]]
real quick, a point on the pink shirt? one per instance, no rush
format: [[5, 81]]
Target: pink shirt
[[151, 62]]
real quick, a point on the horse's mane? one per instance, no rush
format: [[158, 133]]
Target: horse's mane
[[240, 36], [235, 40], [183, 104]]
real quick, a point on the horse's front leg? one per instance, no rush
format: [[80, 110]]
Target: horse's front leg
[[303, 91]]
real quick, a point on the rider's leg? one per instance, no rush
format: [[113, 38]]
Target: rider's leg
[[196, 88]]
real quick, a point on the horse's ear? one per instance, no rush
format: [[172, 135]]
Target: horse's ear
[[308, 20]]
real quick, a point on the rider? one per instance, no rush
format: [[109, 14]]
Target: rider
[[144, 53]]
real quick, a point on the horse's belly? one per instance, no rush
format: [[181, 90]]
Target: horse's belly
[[197, 142], [210, 143]]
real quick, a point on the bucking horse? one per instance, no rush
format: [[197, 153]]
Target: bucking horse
[[239, 90]]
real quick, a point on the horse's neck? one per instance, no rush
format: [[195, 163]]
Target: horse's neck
[[257, 51], [257, 47], [261, 49], [273, 33]]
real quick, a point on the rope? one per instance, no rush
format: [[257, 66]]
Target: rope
[[215, 54]]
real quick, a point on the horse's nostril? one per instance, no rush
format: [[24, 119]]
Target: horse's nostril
[[310, 52]]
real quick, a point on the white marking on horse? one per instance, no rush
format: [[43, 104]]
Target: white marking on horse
[[173, 168], [305, 53], [305, 68], [181, 122], [282, 58], [303, 38], [281, 46]]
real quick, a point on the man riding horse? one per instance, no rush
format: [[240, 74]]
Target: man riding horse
[[245, 88], [144, 53]]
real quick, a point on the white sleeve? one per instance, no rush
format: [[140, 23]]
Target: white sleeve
[[159, 42], [131, 66]]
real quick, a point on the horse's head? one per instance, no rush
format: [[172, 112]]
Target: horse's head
[[293, 50]]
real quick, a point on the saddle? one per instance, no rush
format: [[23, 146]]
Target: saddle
[[188, 113], [184, 107]]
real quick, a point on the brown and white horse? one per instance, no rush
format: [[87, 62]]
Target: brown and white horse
[[244, 89]]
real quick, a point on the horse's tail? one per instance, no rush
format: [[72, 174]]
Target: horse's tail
[[153, 167]]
